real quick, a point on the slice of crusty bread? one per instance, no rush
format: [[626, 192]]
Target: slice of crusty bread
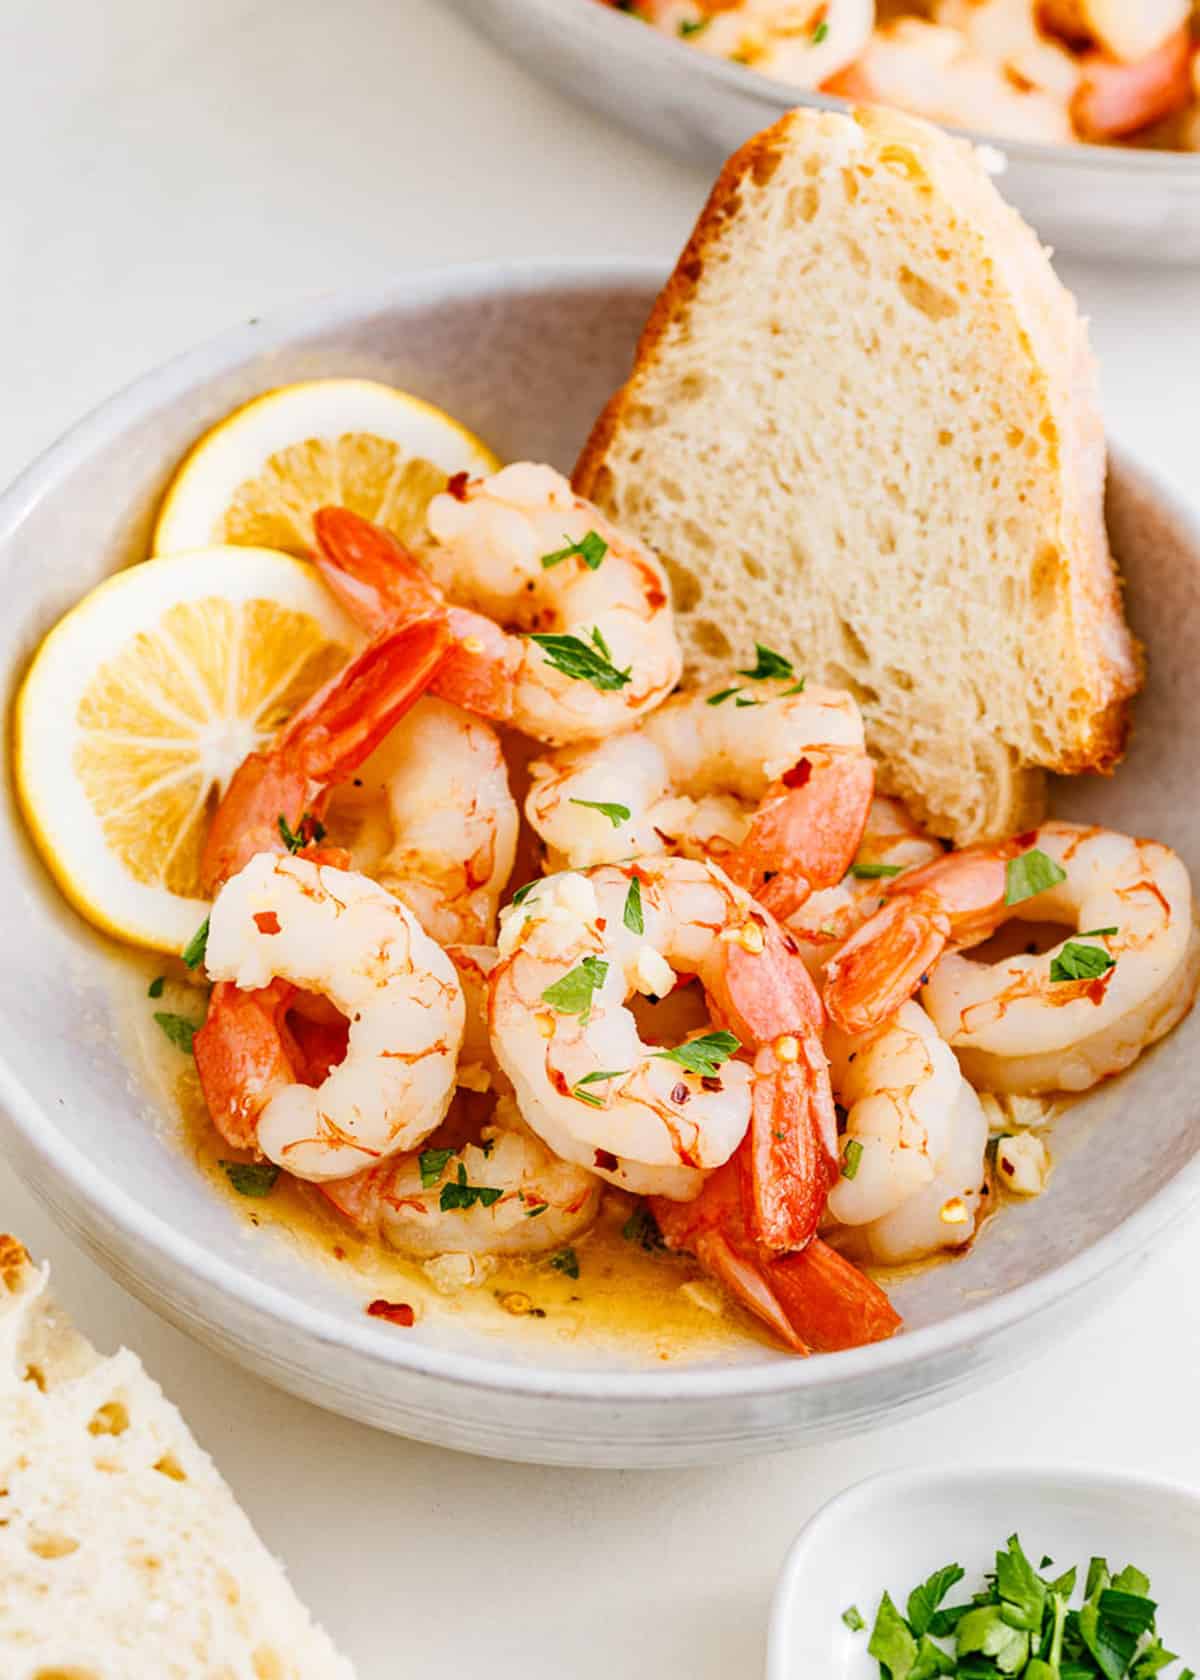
[[123, 1555], [862, 427]]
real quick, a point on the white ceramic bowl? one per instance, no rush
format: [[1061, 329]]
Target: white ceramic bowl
[[889, 1533], [1107, 202], [525, 357]]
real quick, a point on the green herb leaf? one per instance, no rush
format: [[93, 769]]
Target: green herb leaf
[[573, 994], [197, 945], [925, 1599], [874, 871], [820, 33], [616, 814], [432, 1163], [1080, 962], [853, 1618], [536, 1209], [1131, 1611], [591, 549], [566, 1260], [741, 702], [702, 1055], [1098, 933], [1022, 1590], [892, 1643], [986, 1631], [522, 893], [641, 1227], [155, 988], [851, 1161], [574, 658], [178, 1029], [1031, 873], [721, 695], [767, 664], [693, 26], [632, 915], [796, 688], [594, 1079], [460, 1194], [251, 1178], [931, 1661]]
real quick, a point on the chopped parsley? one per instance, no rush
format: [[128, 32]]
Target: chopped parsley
[[820, 33], [595, 1079], [742, 701], [432, 1163], [1080, 962], [251, 1178], [566, 1260], [1020, 1624], [632, 915], [616, 814], [522, 893], [1031, 873], [703, 1055], [874, 871], [851, 1158], [178, 1029], [573, 994], [575, 658], [460, 1194], [693, 26], [641, 1227], [796, 688], [155, 988], [197, 945], [721, 695], [767, 664], [591, 549], [307, 832]]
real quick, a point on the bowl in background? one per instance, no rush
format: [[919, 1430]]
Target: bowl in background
[[1112, 203], [525, 357]]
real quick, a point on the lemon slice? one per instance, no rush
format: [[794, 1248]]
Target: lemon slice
[[259, 476], [138, 707]]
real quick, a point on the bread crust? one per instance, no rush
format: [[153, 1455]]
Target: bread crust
[[1104, 661]]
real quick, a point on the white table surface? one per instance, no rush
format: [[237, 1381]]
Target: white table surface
[[170, 167]]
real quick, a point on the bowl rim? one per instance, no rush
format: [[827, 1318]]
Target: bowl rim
[[854, 1504], [599, 23], [230, 1285]]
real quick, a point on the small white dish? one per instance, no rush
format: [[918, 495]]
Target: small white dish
[[891, 1532]]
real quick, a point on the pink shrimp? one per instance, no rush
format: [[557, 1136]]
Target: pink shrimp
[[1115, 99], [813, 1300]]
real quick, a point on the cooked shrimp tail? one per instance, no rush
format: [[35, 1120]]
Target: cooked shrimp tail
[[813, 1301], [806, 832], [381, 584], [322, 744]]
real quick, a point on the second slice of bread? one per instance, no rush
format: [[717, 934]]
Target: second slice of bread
[[863, 428]]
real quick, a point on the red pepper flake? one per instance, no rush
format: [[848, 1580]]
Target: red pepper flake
[[797, 776], [266, 921], [1027, 838], [457, 486], [605, 1161], [710, 1082], [396, 1312]]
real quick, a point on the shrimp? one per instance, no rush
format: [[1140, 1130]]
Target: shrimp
[[795, 40], [777, 790], [891, 843], [526, 1200], [653, 1121], [587, 643], [932, 72], [914, 1129], [813, 1300], [336, 933], [430, 816], [1128, 30], [285, 786], [1116, 99], [1057, 1020]]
